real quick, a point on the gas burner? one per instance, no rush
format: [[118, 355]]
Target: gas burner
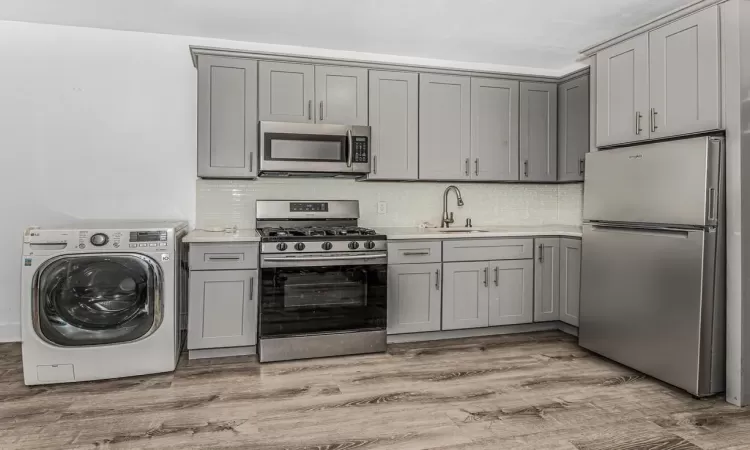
[[281, 232]]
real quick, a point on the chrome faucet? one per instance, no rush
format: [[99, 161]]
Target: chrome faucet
[[447, 220]]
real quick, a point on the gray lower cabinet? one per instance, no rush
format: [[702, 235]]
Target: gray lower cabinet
[[394, 125], [222, 310], [494, 129], [286, 92], [573, 131], [511, 292], [538, 131], [227, 117], [547, 279], [465, 295], [444, 127], [413, 298], [341, 95], [684, 71], [570, 280], [622, 96]]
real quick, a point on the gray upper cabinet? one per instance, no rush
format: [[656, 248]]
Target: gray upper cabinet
[[684, 75], [444, 127], [573, 143], [223, 308], [413, 298], [570, 280], [227, 117], [394, 123], [538, 131], [341, 95], [511, 292], [622, 96], [494, 129], [465, 295], [286, 92], [547, 280]]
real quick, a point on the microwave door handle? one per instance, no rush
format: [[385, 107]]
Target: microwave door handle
[[349, 148]]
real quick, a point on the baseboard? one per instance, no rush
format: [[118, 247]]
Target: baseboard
[[569, 329], [473, 332], [221, 352], [10, 332]]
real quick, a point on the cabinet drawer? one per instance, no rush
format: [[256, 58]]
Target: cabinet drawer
[[488, 249], [223, 256], [413, 252]]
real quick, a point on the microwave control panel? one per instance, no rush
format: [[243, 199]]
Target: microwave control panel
[[360, 150]]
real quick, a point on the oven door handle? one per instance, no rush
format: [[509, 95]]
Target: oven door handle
[[323, 258]]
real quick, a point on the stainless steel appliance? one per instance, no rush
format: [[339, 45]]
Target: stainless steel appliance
[[288, 149], [652, 292], [323, 288]]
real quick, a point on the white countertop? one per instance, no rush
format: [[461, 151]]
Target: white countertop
[[496, 231], [400, 233], [222, 236]]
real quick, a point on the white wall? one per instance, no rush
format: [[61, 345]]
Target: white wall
[[224, 203], [93, 124]]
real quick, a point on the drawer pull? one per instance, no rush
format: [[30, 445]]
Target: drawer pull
[[224, 258], [416, 253]]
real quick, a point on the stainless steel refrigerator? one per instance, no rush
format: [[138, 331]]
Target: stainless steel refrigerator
[[652, 280]]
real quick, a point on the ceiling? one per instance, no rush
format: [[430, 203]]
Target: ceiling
[[543, 34]]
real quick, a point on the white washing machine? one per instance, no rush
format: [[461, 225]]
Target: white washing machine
[[100, 300]]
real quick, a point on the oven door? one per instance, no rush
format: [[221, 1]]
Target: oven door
[[315, 297], [313, 148]]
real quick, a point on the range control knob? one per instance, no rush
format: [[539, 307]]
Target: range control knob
[[326, 246], [99, 239], [281, 246], [299, 246], [369, 245], [354, 245]]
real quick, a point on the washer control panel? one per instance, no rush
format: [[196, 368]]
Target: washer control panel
[[122, 239]]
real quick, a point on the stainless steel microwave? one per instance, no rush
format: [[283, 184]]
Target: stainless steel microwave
[[313, 149]]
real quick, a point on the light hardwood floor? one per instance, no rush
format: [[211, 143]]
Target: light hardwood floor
[[533, 391]]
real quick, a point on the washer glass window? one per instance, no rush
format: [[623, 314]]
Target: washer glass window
[[97, 299]]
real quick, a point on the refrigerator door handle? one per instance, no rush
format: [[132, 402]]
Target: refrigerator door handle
[[712, 204], [642, 229]]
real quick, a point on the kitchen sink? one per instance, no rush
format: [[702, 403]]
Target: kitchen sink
[[460, 230]]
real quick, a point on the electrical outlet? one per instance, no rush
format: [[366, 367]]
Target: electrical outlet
[[382, 207]]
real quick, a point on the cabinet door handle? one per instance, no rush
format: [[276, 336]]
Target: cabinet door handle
[[485, 276], [638, 128], [321, 110], [437, 279], [251, 162], [526, 168], [466, 168], [309, 110], [476, 167], [375, 164], [252, 286], [541, 253], [653, 119], [497, 275], [581, 166]]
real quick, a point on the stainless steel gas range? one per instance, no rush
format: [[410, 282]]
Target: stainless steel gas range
[[323, 288]]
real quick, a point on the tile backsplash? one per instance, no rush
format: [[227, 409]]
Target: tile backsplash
[[226, 203]]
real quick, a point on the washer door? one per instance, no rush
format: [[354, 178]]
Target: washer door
[[97, 299]]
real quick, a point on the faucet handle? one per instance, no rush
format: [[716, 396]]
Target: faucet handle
[[468, 222], [451, 218]]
